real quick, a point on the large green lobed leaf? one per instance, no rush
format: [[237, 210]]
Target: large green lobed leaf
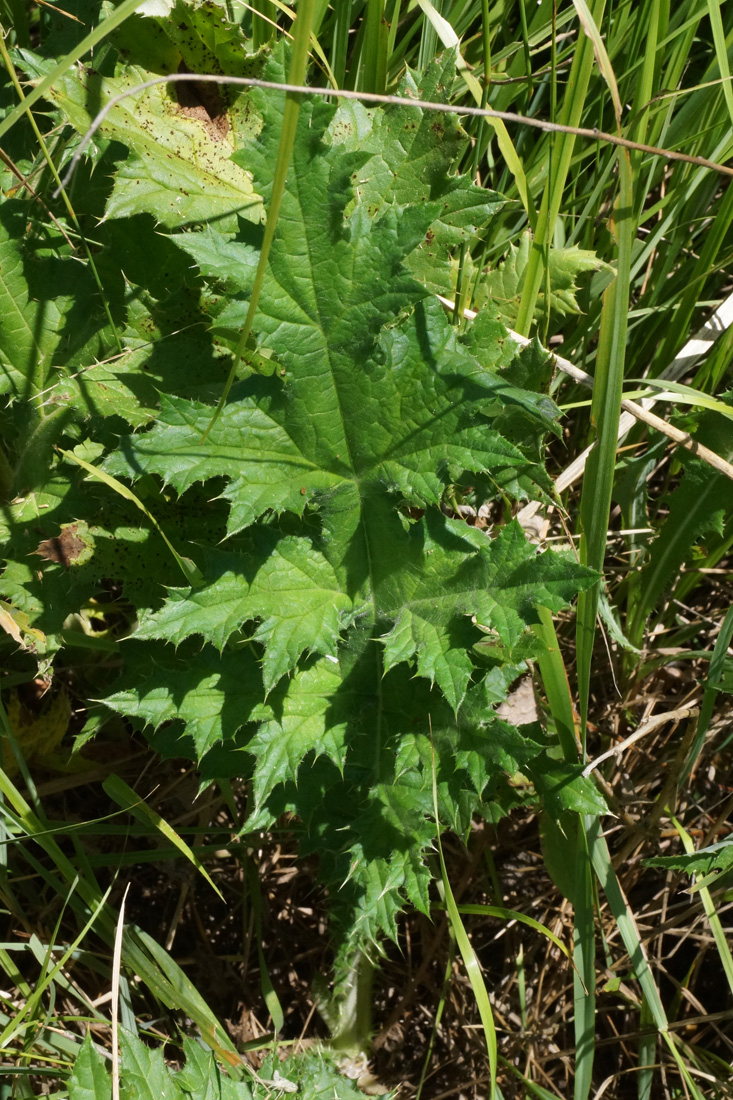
[[349, 621], [345, 574]]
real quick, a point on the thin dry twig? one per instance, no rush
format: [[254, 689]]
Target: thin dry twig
[[633, 410], [697, 346], [645, 728], [25, 182], [593, 134]]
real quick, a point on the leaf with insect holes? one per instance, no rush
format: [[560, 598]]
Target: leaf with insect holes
[[181, 167], [407, 157]]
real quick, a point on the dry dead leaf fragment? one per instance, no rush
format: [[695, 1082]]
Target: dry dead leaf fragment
[[17, 625], [74, 545]]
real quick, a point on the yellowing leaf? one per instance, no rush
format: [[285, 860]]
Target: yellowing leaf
[[181, 170], [16, 624]]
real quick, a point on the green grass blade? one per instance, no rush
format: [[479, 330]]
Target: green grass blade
[[721, 52], [189, 569], [650, 27], [532, 1088], [298, 62], [512, 914], [124, 796], [604, 62], [254, 897], [710, 693], [262, 28], [679, 327], [429, 34], [163, 977], [16, 14], [716, 927], [647, 1052], [373, 69], [684, 1071], [48, 976], [92, 39], [442, 1001], [584, 957], [606, 410], [473, 967], [340, 41], [557, 687], [687, 395], [672, 547], [571, 113], [575, 850], [603, 867]]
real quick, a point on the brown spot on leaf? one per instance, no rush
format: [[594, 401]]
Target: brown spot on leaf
[[205, 103], [65, 548]]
